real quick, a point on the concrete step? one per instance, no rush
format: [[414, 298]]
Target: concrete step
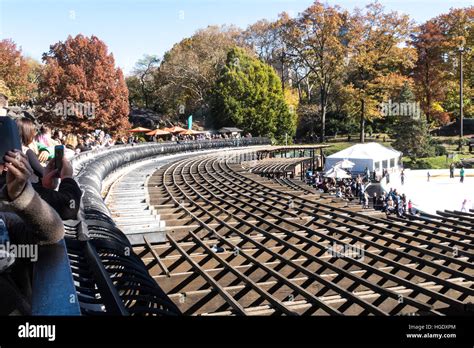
[[126, 202], [137, 220], [128, 189], [142, 229], [152, 237], [126, 205], [126, 199], [123, 192], [129, 212]]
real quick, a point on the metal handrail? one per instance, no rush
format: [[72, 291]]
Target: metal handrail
[[54, 292]]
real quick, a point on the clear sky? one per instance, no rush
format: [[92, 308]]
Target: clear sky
[[132, 28]]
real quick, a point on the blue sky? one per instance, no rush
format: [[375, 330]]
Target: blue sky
[[132, 28]]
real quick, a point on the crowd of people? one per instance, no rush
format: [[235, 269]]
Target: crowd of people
[[35, 197], [200, 136], [347, 188], [355, 188], [394, 203], [45, 140]]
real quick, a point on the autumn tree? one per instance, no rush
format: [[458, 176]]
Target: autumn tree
[[431, 70], [141, 84], [263, 38], [248, 95], [319, 37], [15, 72], [380, 62], [82, 88], [190, 69], [458, 27], [436, 74], [4, 89], [35, 71], [267, 40]]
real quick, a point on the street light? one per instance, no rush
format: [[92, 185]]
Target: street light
[[461, 49]]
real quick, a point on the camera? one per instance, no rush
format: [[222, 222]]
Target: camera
[[58, 157], [9, 137]]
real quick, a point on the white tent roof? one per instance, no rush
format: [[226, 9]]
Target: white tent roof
[[373, 151], [337, 172], [345, 164]]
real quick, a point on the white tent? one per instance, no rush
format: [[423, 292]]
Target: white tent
[[370, 155], [337, 172]]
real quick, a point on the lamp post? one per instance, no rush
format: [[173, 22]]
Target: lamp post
[[462, 49], [283, 54], [461, 102]]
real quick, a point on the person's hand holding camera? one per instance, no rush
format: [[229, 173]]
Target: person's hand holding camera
[[51, 174], [43, 156], [18, 173], [67, 171]]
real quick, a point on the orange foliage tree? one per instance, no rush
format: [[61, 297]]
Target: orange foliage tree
[[319, 37], [437, 72], [81, 89], [431, 71], [14, 72], [381, 62]]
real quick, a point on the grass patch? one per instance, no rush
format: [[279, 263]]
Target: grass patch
[[437, 162], [336, 147]]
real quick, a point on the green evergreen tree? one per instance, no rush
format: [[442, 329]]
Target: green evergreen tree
[[406, 94], [248, 95], [412, 138]]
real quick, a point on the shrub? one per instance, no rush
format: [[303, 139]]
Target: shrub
[[440, 150]]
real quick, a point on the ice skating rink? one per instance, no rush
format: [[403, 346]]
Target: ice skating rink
[[440, 193]]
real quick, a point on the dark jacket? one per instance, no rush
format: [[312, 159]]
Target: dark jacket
[[65, 201], [29, 220]]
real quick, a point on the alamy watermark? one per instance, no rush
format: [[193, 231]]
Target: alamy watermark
[[345, 251], [28, 330], [20, 251], [65, 109], [408, 109], [249, 157]]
